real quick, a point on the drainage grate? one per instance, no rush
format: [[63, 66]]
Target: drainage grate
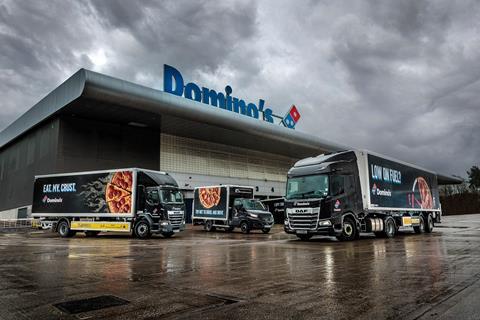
[[90, 304]]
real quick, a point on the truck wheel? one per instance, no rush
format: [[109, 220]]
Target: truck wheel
[[266, 230], [91, 234], [390, 228], [167, 234], [64, 229], [142, 230], [209, 226], [349, 230], [229, 229], [421, 227], [429, 224], [245, 227], [304, 237]]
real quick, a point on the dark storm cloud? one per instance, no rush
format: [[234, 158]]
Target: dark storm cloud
[[192, 35], [398, 77]]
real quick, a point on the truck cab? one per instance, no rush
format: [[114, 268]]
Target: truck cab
[[318, 197], [252, 213], [166, 207], [161, 207]]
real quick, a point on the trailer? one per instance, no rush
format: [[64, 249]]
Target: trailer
[[343, 194], [229, 207], [133, 200]]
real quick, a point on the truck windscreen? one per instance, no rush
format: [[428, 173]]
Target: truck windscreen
[[307, 187], [171, 196]]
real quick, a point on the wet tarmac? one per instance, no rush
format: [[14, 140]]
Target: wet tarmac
[[229, 275]]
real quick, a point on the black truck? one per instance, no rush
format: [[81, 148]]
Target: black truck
[[346, 193], [122, 200], [229, 207]]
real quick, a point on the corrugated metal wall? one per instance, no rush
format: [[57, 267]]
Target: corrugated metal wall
[[34, 153], [179, 154], [94, 145]]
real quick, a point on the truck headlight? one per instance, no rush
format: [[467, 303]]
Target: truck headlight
[[285, 222], [324, 223], [164, 223], [253, 215]]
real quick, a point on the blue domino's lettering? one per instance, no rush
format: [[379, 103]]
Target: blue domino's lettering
[[173, 83]]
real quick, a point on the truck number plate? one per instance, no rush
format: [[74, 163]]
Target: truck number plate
[[301, 231]]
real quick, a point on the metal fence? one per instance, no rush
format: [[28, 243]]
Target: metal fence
[[18, 223]]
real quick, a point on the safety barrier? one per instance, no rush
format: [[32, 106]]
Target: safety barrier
[[18, 223]]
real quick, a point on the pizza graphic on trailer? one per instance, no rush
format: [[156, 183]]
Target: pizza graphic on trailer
[[209, 197], [426, 199], [118, 192]]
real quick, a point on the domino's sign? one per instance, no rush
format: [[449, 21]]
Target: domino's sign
[[174, 83]]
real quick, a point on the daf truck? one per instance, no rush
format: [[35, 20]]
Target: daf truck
[[135, 201], [229, 207], [346, 193]]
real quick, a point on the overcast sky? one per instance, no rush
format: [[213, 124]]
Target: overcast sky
[[396, 77]]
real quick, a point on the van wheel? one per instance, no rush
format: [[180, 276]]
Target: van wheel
[[349, 230], [429, 224], [209, 226], [245, 227], [91, 234], [142, 230], [421, 227], [266, 230]]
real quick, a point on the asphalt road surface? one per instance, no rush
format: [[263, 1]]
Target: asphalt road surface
[[221, 275]]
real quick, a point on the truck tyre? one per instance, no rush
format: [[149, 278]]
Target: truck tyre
[[304, 237], [266, 230], [63, 229], [245, 227], [429, 223], [209, 226], [91, 234], [167, 234], [349, 230], [142, 229], [421, 227], [390, 228]]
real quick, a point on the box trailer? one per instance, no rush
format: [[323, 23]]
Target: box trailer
[[229, 207], [121, 200], [346, 193]]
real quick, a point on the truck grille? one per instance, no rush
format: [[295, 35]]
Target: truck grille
[[303, 218], [175, 218]]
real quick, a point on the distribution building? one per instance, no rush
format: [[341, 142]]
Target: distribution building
[[93, 121]]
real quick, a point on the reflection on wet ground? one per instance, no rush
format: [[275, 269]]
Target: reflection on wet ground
[[220, 275]]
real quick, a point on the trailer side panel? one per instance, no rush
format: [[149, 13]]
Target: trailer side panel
[[397, 186], [91, 194], [210, 203]]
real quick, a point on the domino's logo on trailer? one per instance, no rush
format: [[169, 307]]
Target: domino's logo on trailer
[[292, 117]]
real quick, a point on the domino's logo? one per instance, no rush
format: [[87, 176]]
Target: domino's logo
[[292, 117]]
